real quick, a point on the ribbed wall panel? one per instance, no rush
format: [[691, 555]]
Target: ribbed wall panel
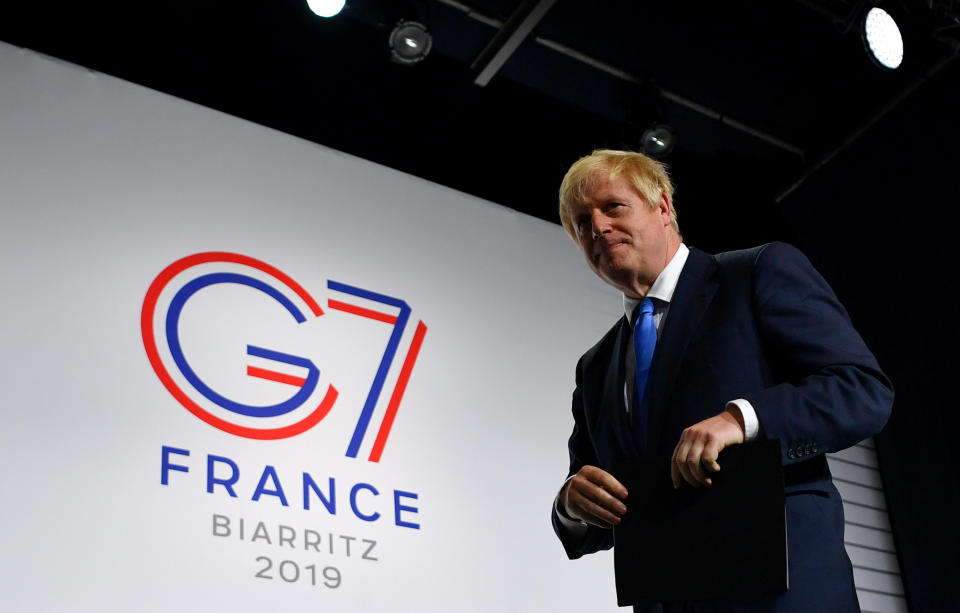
[[872, 559], [874, 602], [855, 473], [870, 497], [866, 516], [868, 536], [857, 455]]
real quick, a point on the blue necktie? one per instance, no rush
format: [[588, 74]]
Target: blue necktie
[[644, 343]]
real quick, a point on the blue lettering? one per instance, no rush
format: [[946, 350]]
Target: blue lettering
[[353, 501], [271, 473], [310, 484], [226, 483], [397, 507], [166, 466], [225, 472]]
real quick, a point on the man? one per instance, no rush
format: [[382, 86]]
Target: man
[[712, 351]]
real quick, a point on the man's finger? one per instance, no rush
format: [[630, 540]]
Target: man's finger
[[679, 463], [693, 462], [684, 468], [696, 472], [681, 451], [602, 498], [685, 473], [593, 513], [688, 459], [598, 486], [605, 480], [600, 516], [710, 455]]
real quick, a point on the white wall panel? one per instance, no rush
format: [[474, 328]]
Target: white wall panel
[[863, 456], [872, 559], [875, 602], [878, 539], [870, 497], [868, 477], [867, 536], [103, 185], [866, 516], [888, 583]]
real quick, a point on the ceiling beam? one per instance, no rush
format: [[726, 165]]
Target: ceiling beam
[[869, 123], [628, 77], [508, 38]]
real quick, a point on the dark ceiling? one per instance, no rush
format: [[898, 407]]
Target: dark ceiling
[[758, 93]]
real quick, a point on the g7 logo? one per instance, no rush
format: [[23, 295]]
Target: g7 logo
[[310, 401]]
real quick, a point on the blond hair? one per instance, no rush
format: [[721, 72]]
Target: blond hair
[[647, 176]]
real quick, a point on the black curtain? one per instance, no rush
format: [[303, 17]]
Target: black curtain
[[878, 222]]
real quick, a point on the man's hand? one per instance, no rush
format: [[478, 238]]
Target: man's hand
[[594, 496], [700, 444]]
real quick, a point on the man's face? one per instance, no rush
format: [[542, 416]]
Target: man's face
[[626, 242]]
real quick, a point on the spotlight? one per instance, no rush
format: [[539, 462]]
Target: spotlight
[[409, 43], [326, 8], [657, 141], [882, 38]]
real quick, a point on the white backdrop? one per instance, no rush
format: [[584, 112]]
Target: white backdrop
[[103, 185]]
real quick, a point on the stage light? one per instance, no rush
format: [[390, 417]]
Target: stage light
[[657, 141], [882, 38], [326, 8], [409, 42]]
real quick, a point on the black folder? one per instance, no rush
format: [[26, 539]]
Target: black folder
[[725, 540]]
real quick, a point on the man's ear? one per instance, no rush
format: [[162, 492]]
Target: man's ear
[[666, 212]]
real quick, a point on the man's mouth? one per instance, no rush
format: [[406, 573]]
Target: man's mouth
[[607, 248]]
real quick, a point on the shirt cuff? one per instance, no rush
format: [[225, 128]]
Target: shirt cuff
[[575, 527], [751, 425]]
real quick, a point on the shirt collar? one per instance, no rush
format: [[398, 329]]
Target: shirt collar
[[666, 283]]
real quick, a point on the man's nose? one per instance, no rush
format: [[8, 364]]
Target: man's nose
[[599, 224]]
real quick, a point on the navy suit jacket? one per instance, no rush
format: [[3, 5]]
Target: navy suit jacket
[[763, 325]]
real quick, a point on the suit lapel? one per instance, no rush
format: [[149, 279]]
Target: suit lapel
[[692, 296]]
